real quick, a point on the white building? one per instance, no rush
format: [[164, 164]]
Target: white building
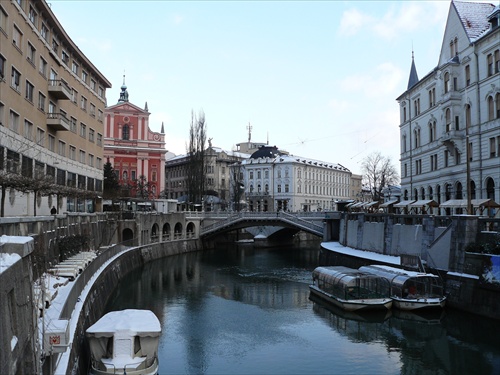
[[451, 116], [273, 180]]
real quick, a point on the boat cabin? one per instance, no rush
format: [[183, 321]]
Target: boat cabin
[[125, 342]]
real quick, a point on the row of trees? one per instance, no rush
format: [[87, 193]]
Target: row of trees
[[112, 189]]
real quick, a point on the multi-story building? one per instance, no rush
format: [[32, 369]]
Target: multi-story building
[[450, 119], [275, 181], [52, 101], [217, 173], [134, 151]]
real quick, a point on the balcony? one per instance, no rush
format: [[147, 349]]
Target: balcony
[[453, 139], [57, 122], [59, 89]]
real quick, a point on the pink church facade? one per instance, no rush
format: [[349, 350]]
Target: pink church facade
[[131, 147]]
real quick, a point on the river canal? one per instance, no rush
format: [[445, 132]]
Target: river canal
[[247, 311]]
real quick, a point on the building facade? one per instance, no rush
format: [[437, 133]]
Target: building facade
[[276, 181], [450, 119], [52, 101], [134, 151], [218, 164]]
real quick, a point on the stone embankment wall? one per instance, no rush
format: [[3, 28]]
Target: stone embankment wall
[[104, 285]]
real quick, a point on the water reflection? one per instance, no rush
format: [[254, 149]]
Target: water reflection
[[240, 311]]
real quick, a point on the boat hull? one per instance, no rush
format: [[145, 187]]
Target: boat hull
[[419, 303], [151, 370], [353, 305]]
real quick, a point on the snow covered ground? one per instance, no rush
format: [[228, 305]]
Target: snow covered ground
[[335, 246]]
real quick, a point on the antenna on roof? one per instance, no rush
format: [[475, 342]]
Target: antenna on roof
[[249, 127]]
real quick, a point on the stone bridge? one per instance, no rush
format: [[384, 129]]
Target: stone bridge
[[307, 222]]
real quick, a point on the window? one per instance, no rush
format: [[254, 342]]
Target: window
[[2, 67], [406, 170], [28, 130], [83, 130], [83, 103], [15, 79], [497, 61], [61, 150], [52, 143], [39, 169], [43, 67], [446, 82], [100, 92], [3, 20], [91, 160], [13, 161], [434, 163], [30, 56], [498, 105], [418, 166], [448, 119], [52, 107], [457, 157], [432, 131], [72, 152], [74, 68], [53, 75], [55, 45], [491, 109], [74, 95], [259, 175], [416, 133], [65, 57], [154, 176], [92, 110], [29, 91], [492, 147], [490, 64], [467, 116], [92, 84], [91, 135], [44, 31], [32, 15], [467, 75], [17, 38], [287, 188], [99, 115], [40, 136], [125, 132], [82, 156], [41, 101], [99, 139], [14, 122], [73, 125], [98, 163], [84, 76], [457, 123]]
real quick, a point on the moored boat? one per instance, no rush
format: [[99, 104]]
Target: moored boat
[[350, 289], [411, 290], [125, 342]]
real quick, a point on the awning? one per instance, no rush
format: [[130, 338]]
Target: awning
[[372, 204], [484, 203], [388, 203], [454, 203], [403, 204], [358, 205], [424, 203]]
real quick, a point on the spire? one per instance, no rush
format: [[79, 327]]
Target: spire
[[162, 131], [124, 93], [146, 107], [413, 80]]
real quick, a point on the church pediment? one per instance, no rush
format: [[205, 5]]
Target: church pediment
[[125, 107]]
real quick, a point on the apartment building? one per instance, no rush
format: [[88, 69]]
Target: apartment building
[[274, 180], [52, 101], [450, 118]]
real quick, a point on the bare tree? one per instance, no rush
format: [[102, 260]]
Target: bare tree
[[378, 173], [142, 188], [196, 178], [236, 183]]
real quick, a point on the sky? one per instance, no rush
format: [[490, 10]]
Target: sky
[[318, 79]]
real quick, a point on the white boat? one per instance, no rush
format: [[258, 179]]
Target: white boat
[[350, 289], [411, 290], [125, 342]]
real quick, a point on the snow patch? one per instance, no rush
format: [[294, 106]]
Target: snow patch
[[7, 260]]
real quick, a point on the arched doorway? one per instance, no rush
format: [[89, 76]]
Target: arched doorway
[[490, 188], [155, 233], [166, 232], [190, 230], [127, 235], [178, 231]]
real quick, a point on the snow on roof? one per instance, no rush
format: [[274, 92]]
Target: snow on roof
[[15, 239], [474, 17], [136, 322], [306, 161], [338, 248], [7, 260], [466, 275]]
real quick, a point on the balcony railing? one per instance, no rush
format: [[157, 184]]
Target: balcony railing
[[59, 89], [57, 121]]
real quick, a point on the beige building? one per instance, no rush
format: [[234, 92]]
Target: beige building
[[52, 100]]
